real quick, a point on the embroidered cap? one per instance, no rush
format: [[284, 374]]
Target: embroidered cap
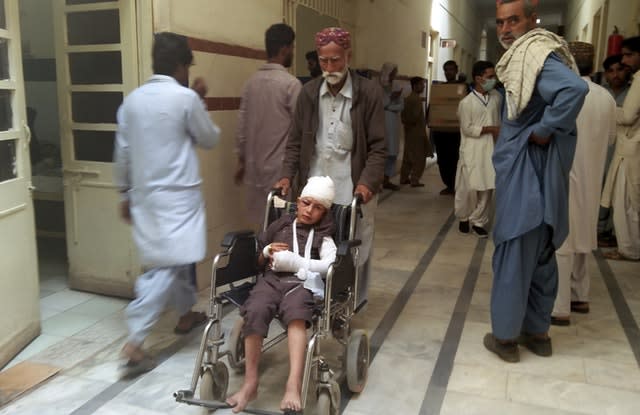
[[337, 35], [321, 189]]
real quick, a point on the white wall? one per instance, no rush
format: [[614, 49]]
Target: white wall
[[454, 19], [580, 14]]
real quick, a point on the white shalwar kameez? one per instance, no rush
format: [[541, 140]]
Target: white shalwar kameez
[[334, 142], [475, 178], [596, 126], [156, 168], [622, 187]]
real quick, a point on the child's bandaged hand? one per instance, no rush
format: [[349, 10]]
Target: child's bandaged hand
[[286, 261]]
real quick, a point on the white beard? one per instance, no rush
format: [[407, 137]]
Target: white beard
[[334, 78]]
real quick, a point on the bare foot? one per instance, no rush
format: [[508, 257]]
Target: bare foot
[[241, 399], [133, 353], [291, 399]]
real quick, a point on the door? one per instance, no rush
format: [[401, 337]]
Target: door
[[96, 65], [19, 293]]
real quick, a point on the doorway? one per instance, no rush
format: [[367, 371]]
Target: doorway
[[43, 119]]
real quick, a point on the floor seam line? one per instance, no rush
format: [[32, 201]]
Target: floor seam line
[[625, 316], [439, 380], [393, 312]]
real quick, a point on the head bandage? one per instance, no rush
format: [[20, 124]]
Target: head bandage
[[321, 189]]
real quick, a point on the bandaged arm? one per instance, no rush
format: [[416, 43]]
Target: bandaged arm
[[287, 261]]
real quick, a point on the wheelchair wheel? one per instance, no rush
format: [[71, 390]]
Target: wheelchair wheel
[[357, 360], [236, 346], [324, 406], [214, 383]]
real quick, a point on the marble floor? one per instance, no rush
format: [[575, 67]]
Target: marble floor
[[427, 313]]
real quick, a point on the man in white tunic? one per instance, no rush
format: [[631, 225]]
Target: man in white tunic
[[479, 115], [156, 170], [264, 121], [338, 131], [622, 187], [596, 125]]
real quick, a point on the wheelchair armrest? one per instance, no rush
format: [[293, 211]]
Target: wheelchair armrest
[[231, 237], [344, 247]]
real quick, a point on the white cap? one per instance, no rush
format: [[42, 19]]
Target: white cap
[[321, 189]]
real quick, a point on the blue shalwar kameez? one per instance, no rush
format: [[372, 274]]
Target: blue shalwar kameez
[[157, 170], [532, 188]]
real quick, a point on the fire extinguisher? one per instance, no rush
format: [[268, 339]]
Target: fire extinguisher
[[614, 46]]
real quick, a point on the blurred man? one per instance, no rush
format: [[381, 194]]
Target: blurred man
[[596, 127], [160, 124], [416, 143], [393, 104], [264, 120], [617, 76], [313, 65], [447, 143], [622, 187], [532, 160]]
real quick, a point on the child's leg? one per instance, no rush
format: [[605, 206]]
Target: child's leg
[[297, 339], [257, 311], [249, 389]]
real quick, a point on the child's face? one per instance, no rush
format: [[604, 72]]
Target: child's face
[[310, 211]]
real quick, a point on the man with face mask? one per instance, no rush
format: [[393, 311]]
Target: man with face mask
[[264, 120], [479, 115], [532, 160], [338, 131]]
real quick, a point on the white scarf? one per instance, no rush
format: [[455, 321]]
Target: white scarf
[[521, 64]]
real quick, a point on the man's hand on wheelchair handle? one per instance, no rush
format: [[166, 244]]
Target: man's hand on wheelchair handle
[[284, 185], [365, 192]]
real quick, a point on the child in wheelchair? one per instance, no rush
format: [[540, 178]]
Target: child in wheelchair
[[296, 250]]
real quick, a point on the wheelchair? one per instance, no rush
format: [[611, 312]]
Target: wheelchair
[[233, 275]]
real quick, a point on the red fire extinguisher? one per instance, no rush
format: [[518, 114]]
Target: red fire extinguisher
[[614, 46]]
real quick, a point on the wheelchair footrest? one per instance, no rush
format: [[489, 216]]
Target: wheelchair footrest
[[238, 295]]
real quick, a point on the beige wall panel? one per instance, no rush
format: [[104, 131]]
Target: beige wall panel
[[239, 22], [225, 202], [390, 31], [225, 75]]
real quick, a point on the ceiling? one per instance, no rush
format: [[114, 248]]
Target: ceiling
[[549, 11]]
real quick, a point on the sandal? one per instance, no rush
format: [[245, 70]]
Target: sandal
[[132, 369], [617, 256], [194, 319]]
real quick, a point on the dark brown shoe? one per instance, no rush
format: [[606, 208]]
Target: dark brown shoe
[[581, 307], [560, 321], [507, 351], [538, 345]]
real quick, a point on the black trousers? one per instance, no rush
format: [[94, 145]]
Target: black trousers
[[448, 149]]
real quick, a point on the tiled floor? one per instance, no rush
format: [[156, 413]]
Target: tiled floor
[[593, 369]]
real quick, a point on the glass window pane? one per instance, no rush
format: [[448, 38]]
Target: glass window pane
[[95, 68], [3, 19], [94, 145], [6, 114], [93, 28], [95, 107], [86, 1], [8, 161], [4, 59]]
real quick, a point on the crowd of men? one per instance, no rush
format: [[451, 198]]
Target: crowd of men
[[533, 147]]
